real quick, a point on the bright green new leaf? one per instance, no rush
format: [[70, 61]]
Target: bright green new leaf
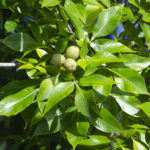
[[10, 25]]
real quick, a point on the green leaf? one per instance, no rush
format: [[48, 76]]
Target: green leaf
[[74, 139], [83, 125], [105, 2], [107, 22], [110, 46], [50, 3], [103, 89], [21, 42], [146, 29], [129, 80], [50, 117], [61, 45], [79, 26], [45, 88], [81, 101], [10, 25], [43, 94], [58, 93], [95, 79], [14, 104], [99, 59], [84, 49], [129, 104], [41, 52], [135, 62], [16, 85], [138, 146], [93, 2], [107, 124], [75, 9], [26, 66], [95, 140], [139, 126], [145, 107]]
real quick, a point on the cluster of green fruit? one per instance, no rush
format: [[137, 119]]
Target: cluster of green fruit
[[72, 53]]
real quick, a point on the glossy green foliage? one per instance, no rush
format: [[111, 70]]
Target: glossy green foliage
[[103, 104]]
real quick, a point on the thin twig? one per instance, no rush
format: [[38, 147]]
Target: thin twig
[[2, 65]]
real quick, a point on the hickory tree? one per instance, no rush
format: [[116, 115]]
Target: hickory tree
[[82, 78]]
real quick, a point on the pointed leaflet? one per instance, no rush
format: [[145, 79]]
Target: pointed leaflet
[[107, 21], [129, 104], [76, 9], [44, 91], [95, 140], [107, 124], [79, 26], [138, 146], [146, 108], [95, 79], [110, 46], [21, 42], [81, 101], [59, 92], [98, 59], [129, 80], [13, 104], [135, 62]]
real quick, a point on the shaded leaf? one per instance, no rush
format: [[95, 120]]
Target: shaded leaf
[[21, 42]]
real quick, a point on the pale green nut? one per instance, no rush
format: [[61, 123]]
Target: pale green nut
[[58, 60], [70, 64], [73, 52]]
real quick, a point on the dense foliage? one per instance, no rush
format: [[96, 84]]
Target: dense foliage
[[97, 101]]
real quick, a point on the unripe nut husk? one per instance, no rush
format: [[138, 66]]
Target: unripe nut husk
[[73, 52], [58, 60], [70, 64]]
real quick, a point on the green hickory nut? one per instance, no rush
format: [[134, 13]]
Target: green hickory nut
[[70, 64], [73, 52], [58, 60]]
